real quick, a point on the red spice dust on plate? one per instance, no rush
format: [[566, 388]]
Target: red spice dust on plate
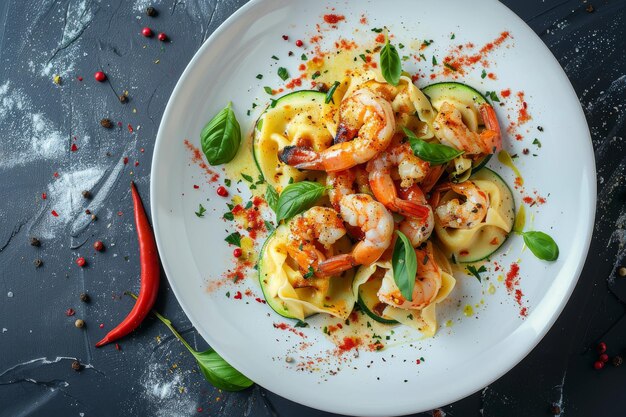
[[512, 283], [198, 158]]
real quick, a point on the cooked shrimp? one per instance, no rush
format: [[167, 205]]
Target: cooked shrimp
[[451, 131], [366, 127], [418, 230], [466, 215], [428, 281], [343, 183], [376, 223], [312, 235], [411, 169]]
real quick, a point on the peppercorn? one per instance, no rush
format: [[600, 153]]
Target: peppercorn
[[147, 32], [151, 11], [100, 76], [79, 323], [622, 271], [162, 37], [597, 365], [601, 348], [604, 358], [84, 298], [81, 261], [87, 211], [617, 361], [98, 245], [106, 123], [539, 128], [299, 43], [35, 242], [437, 413], [123, 98], [37, 262], [555, 410], [525, 151], [93, 217], [86, 194], [76, 366], [590, 8], [237, 252]]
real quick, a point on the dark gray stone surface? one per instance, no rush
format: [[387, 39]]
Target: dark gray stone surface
[[39, 122]]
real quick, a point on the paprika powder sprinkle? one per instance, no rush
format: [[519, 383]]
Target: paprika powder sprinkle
[[150, 274]]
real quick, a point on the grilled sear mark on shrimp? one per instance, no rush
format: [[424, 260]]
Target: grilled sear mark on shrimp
[[418, 230], [376, 224], [366, 125], [451, 131], [461, 215]]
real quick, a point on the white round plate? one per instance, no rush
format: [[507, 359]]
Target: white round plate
[[460, 359]]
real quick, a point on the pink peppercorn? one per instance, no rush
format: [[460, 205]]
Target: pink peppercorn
[[81, 261], [147, 32], [100, 76]]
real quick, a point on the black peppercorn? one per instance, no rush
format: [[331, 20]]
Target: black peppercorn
[[86, 194], [555, 410], [76, 366], [617, 360], [106, 123], [590, 8], [123, 98], [35, 242], [37, 262], [151, 11], [84, 298]]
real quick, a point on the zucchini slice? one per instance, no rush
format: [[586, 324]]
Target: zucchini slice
[[467, 100], [279, 276], [369, 302], [480, 242], [298, 118]]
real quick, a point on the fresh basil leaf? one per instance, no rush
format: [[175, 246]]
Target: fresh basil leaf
[[541, 245], [390, 64], [282, 73], [234, 239], [404, 263], [331, 92], [296, 198], [221, 137], [435, 153], [476, 272], [271, 197], [247, 177], [219, 373]]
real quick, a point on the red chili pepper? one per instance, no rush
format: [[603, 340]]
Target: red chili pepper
[[150, 273]]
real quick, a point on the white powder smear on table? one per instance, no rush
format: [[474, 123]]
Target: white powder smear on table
[[162, 389], [29, 136]]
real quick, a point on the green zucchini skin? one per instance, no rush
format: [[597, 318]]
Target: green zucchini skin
[[367, 295]]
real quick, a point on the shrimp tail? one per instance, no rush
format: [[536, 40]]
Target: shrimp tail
[[301, 157], [335, 265], [411, 208], [491, 136], [344, 134]]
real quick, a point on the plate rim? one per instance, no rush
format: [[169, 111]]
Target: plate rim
[[480, 381]]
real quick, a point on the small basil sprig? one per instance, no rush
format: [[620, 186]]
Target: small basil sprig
[[271, 197], [331, 93], [541, 245], [296, 198], [213, 367], [404, 263], [390, 64], [221, 137], [435, 153]]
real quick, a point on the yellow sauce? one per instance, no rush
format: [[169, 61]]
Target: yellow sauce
[[449, 323], [468, 311], [492, 289], [505, 158]]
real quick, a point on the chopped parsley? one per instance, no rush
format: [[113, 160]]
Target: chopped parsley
[[476, 272], [275, 57], [423, 57], [201, 211], [248, 205], [269, 226], [229, 216], [377, 30], [331, 91], [410, 317], [304, 57], [449, 66], [301, 323], [452, 36], [282, 73], [228, 294], [268, 90], [247, 177], [401, 46], [363, 57], [484, 74], [227, 182], [234, 239], [434, 60], [492, 95], [309, 274], [536, 142], [427, 42], [315, 75], [259, 76]]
